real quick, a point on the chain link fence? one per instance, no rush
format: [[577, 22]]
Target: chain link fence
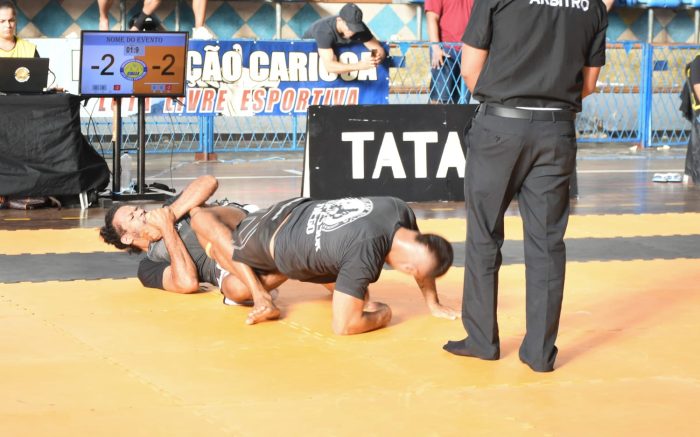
[[666, 124], [164, 134], [613, 113], [637, 102]]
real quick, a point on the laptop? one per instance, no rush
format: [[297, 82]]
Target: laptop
[[23, 75]]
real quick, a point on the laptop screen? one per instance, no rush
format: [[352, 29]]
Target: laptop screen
[[23, 75]]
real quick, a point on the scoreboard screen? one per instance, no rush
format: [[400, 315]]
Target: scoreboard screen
[[141, 64]]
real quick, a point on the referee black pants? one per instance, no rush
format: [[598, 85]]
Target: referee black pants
[[535, 160]]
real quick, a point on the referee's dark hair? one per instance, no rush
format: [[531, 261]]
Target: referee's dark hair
[[442, 249]]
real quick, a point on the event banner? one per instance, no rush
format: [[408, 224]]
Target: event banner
[[242, 78], [415, 152], [275, 78]]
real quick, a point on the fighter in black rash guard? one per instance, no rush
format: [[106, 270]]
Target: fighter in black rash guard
[[251, 241], [343, 241], [346, 242]]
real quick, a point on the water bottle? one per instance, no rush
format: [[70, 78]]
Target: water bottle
[[125, 180]]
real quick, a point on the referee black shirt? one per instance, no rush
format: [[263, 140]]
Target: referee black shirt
[[543, 70]]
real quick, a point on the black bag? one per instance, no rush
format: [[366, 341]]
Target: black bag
[[686, 107], [687, 97]]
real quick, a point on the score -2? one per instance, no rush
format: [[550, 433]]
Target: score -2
[[134, 69]]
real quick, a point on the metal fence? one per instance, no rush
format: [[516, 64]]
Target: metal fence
[[666, 74], [614, 112], [637, 102]]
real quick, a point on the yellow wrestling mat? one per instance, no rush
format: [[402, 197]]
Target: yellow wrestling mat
[[585, 226], [109, 357], [595, 226], [53, 241]]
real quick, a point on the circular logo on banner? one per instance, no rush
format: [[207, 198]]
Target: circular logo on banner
[[22, 74], [133, 69]]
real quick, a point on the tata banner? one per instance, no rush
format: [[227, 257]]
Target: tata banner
[[414, 152], [242, 78]]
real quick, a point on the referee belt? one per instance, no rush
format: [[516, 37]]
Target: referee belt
[[527, 114]]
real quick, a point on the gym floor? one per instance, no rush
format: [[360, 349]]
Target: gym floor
[[85, 349]]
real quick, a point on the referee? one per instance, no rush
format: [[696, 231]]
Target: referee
[[529, 63]]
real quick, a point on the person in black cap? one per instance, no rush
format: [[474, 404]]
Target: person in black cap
[[522, 141], [345, 28]]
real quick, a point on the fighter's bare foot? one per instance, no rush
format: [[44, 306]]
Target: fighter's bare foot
[[261, 313]]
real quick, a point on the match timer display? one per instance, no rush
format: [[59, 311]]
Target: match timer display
[[141, 64]]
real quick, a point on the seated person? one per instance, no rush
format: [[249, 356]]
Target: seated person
[[10, 45], [199, 8], [342, 29], [342, 244]]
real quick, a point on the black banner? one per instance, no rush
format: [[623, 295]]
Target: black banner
[[42, 150], [414, 152]]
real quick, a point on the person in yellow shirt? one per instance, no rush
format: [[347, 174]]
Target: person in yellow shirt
[[10, 45]]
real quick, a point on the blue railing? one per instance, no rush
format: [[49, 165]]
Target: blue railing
[[636, 102]]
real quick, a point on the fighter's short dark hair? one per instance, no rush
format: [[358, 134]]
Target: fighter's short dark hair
[[112, 234], [441, 249]]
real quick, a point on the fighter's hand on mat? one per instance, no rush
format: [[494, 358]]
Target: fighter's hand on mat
[[444, 312]]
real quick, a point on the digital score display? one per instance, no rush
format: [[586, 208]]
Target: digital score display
[[141, 64]]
